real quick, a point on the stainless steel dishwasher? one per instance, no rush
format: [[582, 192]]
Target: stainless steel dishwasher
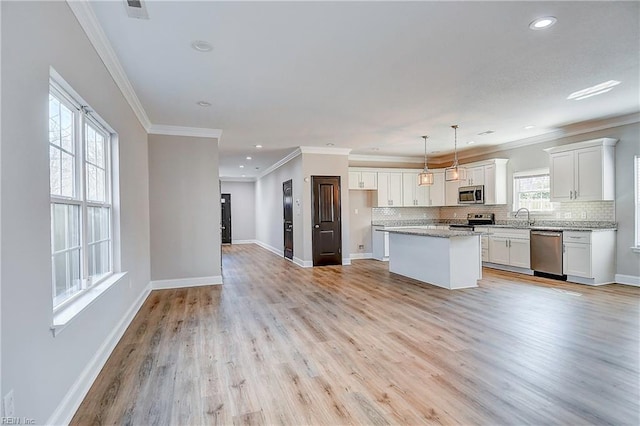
[[546, 252]]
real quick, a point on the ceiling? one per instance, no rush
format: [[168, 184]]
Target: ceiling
[[374, 76]]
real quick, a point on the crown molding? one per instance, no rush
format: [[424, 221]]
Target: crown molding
[[237, 179], [89, 22], [280, 162], [198, 132], [386, 158], [324, 150]]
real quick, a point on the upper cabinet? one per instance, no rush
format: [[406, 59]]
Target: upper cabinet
[[363, 179], [583, 171], [390, 189], [493, 175], [414, 195]]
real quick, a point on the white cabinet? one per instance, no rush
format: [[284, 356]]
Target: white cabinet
[[589, 257], [380, 243], [389, 189], [484, 241], [475, 176], [583, 171], [436, 191], [361, 179], [412, 193], [510, 247], [451, 192]]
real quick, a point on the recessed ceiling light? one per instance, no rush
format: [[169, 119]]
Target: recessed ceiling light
[[202, 46], [241, 166], [529, 127], [248, 158], [598, 89], [543, 23], [204, 103], [244, 175], [471, 142], [258, 146], [330, 144]]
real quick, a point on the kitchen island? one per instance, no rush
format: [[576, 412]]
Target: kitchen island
[[444, 258]]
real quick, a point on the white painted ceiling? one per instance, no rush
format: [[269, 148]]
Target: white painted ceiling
[[374, 76]]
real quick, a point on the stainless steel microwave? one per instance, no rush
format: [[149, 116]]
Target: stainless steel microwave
[[471, 194]]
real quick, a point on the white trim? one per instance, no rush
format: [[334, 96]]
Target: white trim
[[186, 282], [243, 241], [586, 281], [355, 256], [508, 268], [583, 144], [302, 263], [198, 132], [384, 158], [280, 163], [628, 280], [346, 261], [86, 17], [74, 397], [270, 248], [531, 172], [237, 179], [324, 150]]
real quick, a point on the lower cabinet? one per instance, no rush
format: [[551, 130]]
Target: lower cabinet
[[510, 247], [380, 243], [484, 243], [589, 256]]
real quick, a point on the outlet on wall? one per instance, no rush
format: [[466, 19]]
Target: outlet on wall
[[355, 211], [9, 410], [360, 246]]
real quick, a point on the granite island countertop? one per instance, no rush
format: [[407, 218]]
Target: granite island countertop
[[593, 226], [438, 233]]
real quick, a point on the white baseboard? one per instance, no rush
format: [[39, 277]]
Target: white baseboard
[[186, 282], [628, 280], [346, 261], [302, 263], [508, 268], [361, 256], [270, 248], [243, 241], [74, 397]]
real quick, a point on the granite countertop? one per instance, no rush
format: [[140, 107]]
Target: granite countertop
[[439, 233], [537, 226]]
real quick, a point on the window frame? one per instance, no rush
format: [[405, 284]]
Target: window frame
[[84, 117], [515, 192]]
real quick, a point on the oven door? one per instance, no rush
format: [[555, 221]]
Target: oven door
[[471, 195]]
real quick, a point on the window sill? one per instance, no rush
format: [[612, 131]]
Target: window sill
[[65, 316], [635, 249]]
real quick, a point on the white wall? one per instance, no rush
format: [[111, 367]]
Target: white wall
[[243, 209], [360, 222], [40, 368], [184, 201], [269, 208], [325, 165]]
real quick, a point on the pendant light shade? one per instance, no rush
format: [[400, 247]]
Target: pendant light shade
[[455, 172], [426, 177]]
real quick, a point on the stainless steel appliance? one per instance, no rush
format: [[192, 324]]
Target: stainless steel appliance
[[475, 219], [546, 252], [471, 194]]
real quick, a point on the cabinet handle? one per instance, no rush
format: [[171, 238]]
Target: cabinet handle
[[506, 243], [575, 194]]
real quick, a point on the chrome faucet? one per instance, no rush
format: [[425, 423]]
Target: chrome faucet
[[529, 221]]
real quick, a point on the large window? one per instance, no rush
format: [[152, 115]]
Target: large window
[[531, 189], [81, 209]]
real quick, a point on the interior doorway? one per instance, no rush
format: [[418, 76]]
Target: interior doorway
[[225, 205], [287, 204], [326, 220]]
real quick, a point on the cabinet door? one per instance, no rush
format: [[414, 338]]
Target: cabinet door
[[451, 192], [561, 173], [499, 250], [588, 174], [475, 175], [490, 184], [369, 180], [383, 189], [436, 191], [354, 180], [576, 260], [422, 195], [409, 184], [395, 189], [519, 253]]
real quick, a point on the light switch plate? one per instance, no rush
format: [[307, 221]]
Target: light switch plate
[[9, 410]]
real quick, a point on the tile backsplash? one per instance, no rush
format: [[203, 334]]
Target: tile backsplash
[[588, 211]]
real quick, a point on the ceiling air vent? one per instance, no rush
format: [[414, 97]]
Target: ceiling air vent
[[136, 9]]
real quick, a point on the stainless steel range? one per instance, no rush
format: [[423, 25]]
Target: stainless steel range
[[475, 219]]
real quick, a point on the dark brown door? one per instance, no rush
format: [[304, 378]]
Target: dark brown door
[[225, 204], [327, 229], [287, 203]]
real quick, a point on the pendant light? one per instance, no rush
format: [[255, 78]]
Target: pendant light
[[426, 177], [455, 172]]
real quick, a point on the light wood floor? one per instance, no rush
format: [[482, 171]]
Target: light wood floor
[[278, 344]]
